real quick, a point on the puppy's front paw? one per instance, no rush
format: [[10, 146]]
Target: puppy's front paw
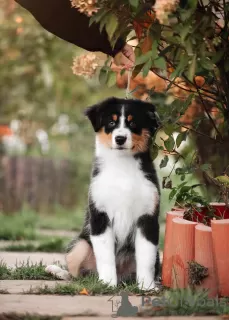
[[108, 277], [147, 285]]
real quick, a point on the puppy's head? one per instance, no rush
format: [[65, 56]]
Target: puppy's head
[[124, 125]]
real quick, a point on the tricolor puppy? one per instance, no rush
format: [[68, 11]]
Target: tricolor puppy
[[119, 239]]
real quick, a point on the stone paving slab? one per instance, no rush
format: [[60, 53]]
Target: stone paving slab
[[13, 258], [23, 286], [67, 306], [59, 305]]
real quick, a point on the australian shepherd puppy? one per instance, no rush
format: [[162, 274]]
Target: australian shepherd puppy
[[120, 235]]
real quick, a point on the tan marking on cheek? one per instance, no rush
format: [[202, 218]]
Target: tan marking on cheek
[[129, 118], [114, 117], [104, 138], [140, 142]]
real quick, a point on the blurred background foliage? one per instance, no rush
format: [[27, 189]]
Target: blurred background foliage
[[39, 94]]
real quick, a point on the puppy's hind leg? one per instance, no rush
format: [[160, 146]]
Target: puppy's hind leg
[[80, 256]]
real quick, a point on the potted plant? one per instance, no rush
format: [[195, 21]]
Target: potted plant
[[196, 243]]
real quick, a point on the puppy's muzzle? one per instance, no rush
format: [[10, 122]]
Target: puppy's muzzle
[[120, 140]]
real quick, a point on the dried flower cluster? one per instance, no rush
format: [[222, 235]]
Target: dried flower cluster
[[163, 8], [87, 7], [85, 65]]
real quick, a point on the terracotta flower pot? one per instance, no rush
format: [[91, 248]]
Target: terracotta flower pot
[[203, 215], [168, 247], [220, 236], [204, 256], [183, 250]]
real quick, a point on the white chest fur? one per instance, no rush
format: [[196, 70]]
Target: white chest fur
[[122, 191]]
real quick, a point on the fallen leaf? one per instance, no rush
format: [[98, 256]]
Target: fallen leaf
[[84, 292]]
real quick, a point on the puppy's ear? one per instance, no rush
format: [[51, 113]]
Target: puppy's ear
[[94, 115]]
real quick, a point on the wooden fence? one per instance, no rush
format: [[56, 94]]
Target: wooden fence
[[39, 182]]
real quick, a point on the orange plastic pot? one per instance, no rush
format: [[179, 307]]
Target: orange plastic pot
[[220, 236], [183, 250], [204, 256], [168, 247]]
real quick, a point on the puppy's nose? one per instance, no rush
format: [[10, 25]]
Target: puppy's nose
[[120, 140]]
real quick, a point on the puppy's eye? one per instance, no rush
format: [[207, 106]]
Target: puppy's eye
[[111, 124], [132, 125]]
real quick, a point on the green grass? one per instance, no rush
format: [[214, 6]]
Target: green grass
[[19, 226], [186, 302], [62, 219], [91, 283], [19, 316], [30, 271], [49, 245], [26, 271], [24, 225]]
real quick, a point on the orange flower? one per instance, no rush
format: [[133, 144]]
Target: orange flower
[[5, 131]]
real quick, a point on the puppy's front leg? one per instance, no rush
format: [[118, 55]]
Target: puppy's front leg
[[102, 240], [146, 245]]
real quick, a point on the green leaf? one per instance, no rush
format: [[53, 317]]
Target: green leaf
[[134, 3], [218, 56], [205, 167], [154, 152], [155, 31], [180, 138], [188, 101], [172, 193], [160, 63], [154, 50], [103, 76], [97, 17], [223, 179], [146, 68], [111, 81], [192, 3], [164, 162], [143, 58], [206, 64], [169, 144], [103, 21], [184, 32], [166, 50], [192, 68], [181, 66], [169, 128], [111, 25]]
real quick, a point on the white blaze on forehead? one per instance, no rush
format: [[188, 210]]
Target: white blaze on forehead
[[122, 119], [122, 130]]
